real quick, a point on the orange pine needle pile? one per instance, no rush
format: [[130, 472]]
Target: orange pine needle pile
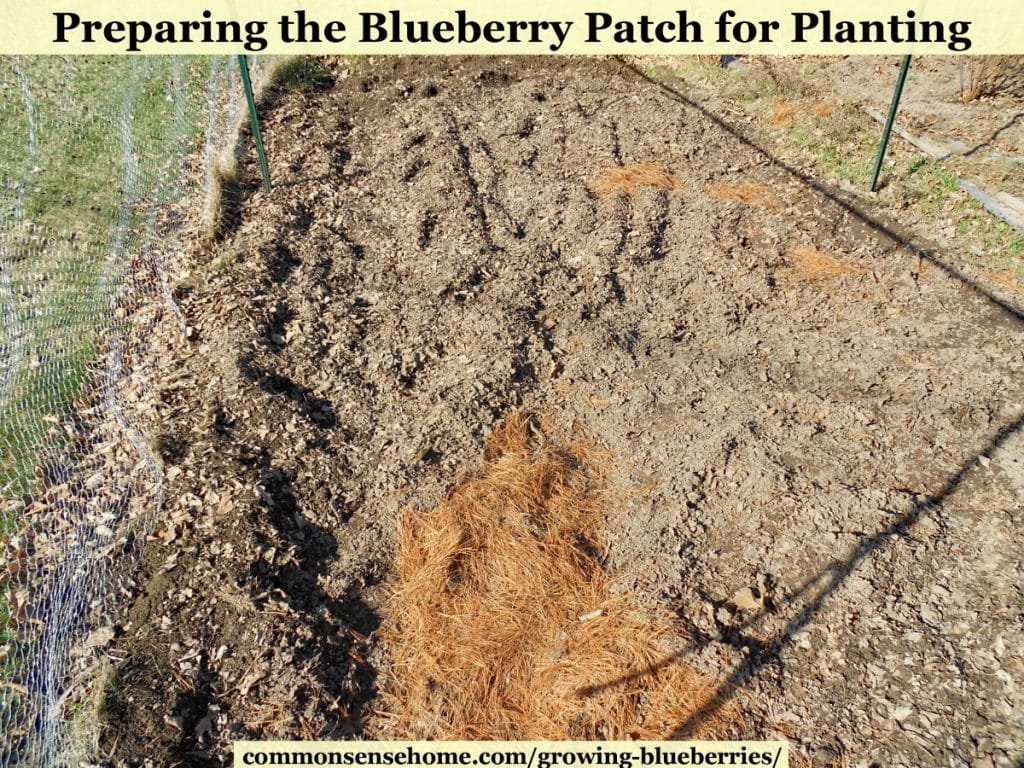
[[782, 113], [502, 624], [747, 192], [627, 179], [808, 263]]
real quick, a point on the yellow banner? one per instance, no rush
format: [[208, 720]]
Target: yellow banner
[[514, 754], [439, 27]]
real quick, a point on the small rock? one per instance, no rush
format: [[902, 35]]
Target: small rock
[[930, 615]]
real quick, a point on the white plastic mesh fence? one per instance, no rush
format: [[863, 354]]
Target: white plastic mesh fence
[[105, 166]]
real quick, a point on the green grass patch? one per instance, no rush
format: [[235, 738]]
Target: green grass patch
[[928, 186], [43, 400], [743, 86], [89, 148], [85, 112], [304, 74]]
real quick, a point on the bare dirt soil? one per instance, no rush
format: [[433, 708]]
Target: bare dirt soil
[[818, 426]]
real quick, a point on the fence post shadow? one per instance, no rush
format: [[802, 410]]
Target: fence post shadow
[[837, 572], [763, 653]]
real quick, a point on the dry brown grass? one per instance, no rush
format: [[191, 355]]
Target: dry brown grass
[[808, 263], [982, 76], [747, 192], [627, 179], [502, 624]]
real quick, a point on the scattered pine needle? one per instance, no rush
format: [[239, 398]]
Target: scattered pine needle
[[782, 113], [502, 624], [626, 179], [808, 263], [748, 192], [1005, 278]]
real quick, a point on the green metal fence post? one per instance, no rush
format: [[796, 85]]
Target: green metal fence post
[[257, 136], [889, 120]]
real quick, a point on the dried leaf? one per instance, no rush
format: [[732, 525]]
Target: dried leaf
[[746, 599]]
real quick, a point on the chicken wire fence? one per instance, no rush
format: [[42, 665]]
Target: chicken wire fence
[[107, 167]]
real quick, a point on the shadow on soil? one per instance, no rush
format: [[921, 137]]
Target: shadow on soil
[[839, 570], [995, 134], [280, 263], [333, 628], [763, 653]]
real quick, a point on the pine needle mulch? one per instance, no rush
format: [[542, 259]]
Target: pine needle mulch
[[627, 179], [503, 624]]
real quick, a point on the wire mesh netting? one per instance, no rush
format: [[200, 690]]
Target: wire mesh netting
[[107, 168]]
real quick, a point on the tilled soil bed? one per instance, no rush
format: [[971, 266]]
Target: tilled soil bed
[[818, 429]]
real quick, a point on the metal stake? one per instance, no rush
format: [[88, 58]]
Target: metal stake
[[254, 120], [889, 120]]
